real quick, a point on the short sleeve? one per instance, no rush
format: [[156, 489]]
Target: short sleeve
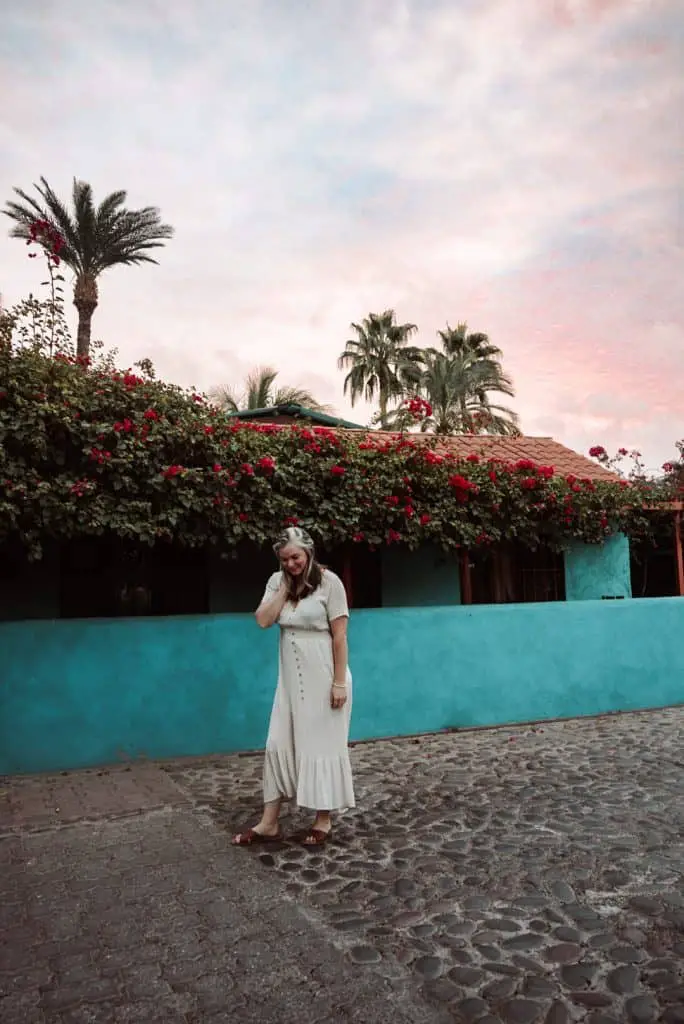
[[337, 598], [272, 586]]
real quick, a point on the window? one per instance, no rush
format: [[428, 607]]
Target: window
[[512, 573], [102, 578]]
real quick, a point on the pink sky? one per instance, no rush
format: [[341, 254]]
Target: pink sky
[[517, 164]]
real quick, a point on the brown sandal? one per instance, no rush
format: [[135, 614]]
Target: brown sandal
[[315, 837], [250, 838]]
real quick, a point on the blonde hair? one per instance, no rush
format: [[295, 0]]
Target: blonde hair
[[313, 574]]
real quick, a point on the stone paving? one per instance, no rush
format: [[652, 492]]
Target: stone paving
[[512, 876], [121, 903]]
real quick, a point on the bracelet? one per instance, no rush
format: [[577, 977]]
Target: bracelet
[[340, 686]]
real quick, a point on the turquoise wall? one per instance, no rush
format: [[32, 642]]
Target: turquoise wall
[[424, 577], [77, 693], [594, 571]]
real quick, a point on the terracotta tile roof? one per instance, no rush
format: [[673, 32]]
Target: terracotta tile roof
[[542, 450]]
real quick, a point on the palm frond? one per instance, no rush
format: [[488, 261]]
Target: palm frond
[[225, 398], [95, 238]]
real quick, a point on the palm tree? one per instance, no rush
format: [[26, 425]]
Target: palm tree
[[94, 239], [260, 393], [457, 341], [379, 360], [458, 381], [458, 387]]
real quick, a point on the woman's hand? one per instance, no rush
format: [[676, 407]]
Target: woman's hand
[[338, 696]]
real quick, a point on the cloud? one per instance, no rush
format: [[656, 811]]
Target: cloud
[[517, 164]]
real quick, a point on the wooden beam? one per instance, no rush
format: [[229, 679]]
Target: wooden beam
[[679, 553], [347, 578], [466, 577]]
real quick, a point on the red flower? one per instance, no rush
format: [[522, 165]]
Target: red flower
[[529, 483], [393, 537], [338, 471], [460, 483], [126, 427], [525, 466], [668, 467], [266, 463], [172, 471], [571, 479], [243, 517], [598, 452], [473, 458], [97, 455], [409, 512], [418, 407], [392, 499], [216, 467], [492, 476], [246, 469], [358, 537], [425, 519], [432, 457], [197, 398], [209, 430], [151, 414], [292, 521], [546, 472], [622, 452]]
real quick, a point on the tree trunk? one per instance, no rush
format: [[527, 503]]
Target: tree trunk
[[85, 301], [383, 410]]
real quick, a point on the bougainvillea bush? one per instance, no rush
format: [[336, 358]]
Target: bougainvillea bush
[[89, 450]]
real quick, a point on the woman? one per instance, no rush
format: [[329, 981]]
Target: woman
[[307, 758]]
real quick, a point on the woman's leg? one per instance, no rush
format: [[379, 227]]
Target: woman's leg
[[268, 825], [322, 823]]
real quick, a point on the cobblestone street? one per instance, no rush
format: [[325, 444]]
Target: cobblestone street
[[525, 875]]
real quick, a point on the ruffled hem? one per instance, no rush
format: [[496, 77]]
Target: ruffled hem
[[315, 783]]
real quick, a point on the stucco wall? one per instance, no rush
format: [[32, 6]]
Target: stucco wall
[[593, 572], [77, 693]]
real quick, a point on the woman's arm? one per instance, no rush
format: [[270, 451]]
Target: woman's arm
[[338, 628], [270, 608]]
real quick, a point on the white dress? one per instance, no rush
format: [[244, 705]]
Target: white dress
[[307, 756]]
